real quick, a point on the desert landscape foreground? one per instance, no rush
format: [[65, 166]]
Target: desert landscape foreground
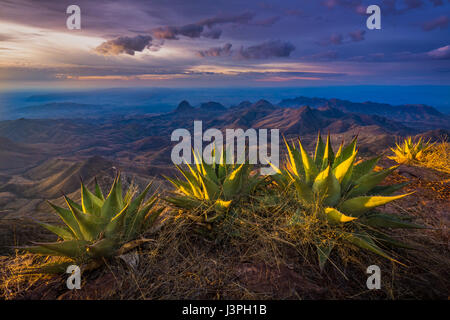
[[252, 256]]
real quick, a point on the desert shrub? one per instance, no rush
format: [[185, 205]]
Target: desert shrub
[[98, 228], [208, 191], [338, 197], [410, 151], [437, 157]]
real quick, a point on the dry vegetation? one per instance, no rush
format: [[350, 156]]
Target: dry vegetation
[[438, 157], [256, 253]]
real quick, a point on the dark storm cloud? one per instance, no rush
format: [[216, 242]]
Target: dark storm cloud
[[243, 18], [128, 45], [212, 33], [270, 49], [195, 30], [266, 22], [216, 51], [440, 22], [204, 28], [172, 33]]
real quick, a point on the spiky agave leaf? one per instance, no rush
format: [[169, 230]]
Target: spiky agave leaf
[[410, 151], [346, 190], [212, 187], [359, 205], [323, 252], [99, 226]]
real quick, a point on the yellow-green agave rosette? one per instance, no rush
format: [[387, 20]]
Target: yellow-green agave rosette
[[410, 151], [346, 191], [211, 189], [99, 226]]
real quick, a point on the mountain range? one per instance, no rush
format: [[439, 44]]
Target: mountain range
[[40, 158]]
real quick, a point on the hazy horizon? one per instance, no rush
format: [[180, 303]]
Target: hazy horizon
[[166, 99]]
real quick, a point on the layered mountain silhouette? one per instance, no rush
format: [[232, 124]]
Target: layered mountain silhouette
[[184, 107], [40, 158], [417, 115], [143, 133]]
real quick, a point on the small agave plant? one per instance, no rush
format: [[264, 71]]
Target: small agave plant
[[410, 151], [97, 228], [212, 188], [345, 192]]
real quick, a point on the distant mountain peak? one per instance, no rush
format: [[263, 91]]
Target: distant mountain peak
[[184, 106], [305, 109], [416, 115], [262, 102], [244, 104]]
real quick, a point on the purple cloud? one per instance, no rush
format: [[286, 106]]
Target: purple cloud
[[243, 18], [216, 51], [195, 30], [357, 36], [128, 45], [334, 39], [440, 22], [344, 3], [276, 49], [212, 33], [172, 33], [442, 53], [266, 22]]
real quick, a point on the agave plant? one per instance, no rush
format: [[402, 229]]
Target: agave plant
[[212, 188], [98, 227], [345, 192], [410, 151]]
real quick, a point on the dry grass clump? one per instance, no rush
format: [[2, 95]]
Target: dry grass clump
[[438, 157], [257, 254], [15, 283]]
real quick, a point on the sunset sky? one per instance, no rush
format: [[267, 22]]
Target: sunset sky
[[222, 43]]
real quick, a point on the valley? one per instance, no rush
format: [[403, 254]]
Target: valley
[[41, 159]]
